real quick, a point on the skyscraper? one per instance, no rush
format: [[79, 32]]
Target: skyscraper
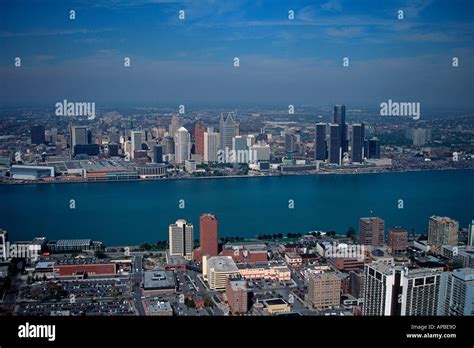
[[290, 142], [79, 136], [357, 143], [470, 234], [457, 293], [182, 145], [175, 124], [397, 290], [37, 134], [158, 154], [374, 148], [181, 239], [334, 148], [137, 138], [208, 234], [228, 129], [199, 137], [340, 119], [320, 142], [210, 145], [3, 245], [371, 231], [168, 145], [442, 231]]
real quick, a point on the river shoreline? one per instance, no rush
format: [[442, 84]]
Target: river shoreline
[[230, 177]]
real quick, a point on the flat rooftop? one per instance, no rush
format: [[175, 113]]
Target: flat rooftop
[[222, 264], [274, 301], [159, 280]]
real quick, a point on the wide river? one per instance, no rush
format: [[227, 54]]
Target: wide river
[[133, 212]]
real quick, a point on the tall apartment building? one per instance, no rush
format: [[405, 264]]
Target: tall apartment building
[[457, 293], [397, 290], [442, 231], [237, 295], [397, 240], [371, 231], [324, 290], [181, 239]]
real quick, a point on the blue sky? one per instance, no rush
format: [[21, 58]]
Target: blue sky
[[282, 61]]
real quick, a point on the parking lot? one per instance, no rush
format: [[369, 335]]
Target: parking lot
[[87, 308]]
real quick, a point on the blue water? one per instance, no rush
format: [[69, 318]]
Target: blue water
[[134, 212]]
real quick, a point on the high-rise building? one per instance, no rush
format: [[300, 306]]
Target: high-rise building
[[397, 240], [397, 290], [211, 146], [3, 245], [182, 145], [357, 143], [320, 151], [175, 124], [229, 128], [199, 130], [373, 148], [324, 290], [470, 234], [239, 143], [158, 154], [334, 144], [79, 136], [217, 270], [168, 145], [457, 293], [37, 134], [208, 240], [237, 295], [442, 231], [181, 239], [371, 231], [290, 142], [340, 119], [137, 138]]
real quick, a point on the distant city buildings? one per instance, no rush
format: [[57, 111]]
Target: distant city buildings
[[181, 239]]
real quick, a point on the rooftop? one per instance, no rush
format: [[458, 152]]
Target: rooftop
[[222, 264], [159, 280]]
